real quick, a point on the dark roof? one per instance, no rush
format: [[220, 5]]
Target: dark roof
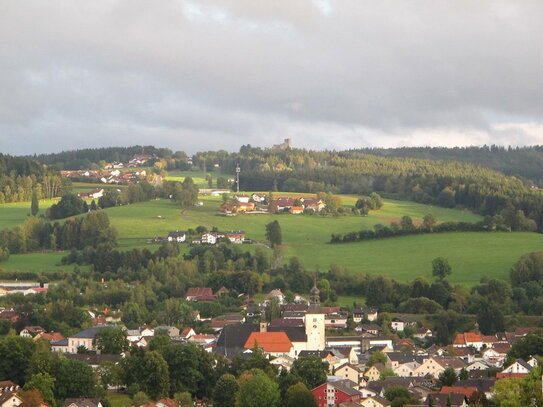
[[235, 335], [81, 402], [294, 333], [281, 322], [93, 359], [88, 333], [441, 399], [62, 342], [483, 385], [5, 396], [345, 386], [402, 357], [294, 307], [318, 353]]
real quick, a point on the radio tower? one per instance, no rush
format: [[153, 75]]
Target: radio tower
[[237, 177]]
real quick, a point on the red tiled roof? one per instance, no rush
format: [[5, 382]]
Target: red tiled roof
[[472, 337], [269, 341], [199, 292], [466, 391], [52, 336]]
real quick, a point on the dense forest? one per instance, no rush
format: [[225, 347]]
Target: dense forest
[[523, 162], [92, 158]]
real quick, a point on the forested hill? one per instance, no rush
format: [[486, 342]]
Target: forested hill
[[524, 162], [86, 158], [445, 183]]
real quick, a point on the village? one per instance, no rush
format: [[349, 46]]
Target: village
[[364, 356]]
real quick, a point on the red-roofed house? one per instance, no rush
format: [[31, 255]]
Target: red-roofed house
[[187, 333], [272, 343], [335, 393], [199, 294], [465, 390], [468, 339], [50, 336]]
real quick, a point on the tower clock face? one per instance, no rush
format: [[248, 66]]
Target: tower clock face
[[315, 326]]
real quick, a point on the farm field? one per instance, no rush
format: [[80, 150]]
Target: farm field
[[197, 176], [36, 262], [13, 214], [472, 255]]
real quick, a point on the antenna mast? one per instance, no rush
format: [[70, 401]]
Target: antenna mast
[[238, 170]]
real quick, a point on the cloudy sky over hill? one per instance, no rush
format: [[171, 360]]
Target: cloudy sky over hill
[[197, 75]]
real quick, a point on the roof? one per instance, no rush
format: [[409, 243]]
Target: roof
[[235, 335], [93, 358], [81, 402], [482, 385], [380, 400], [52, 336], [199, 292], [269, 341], [345, 386], [5, 396], [281, 322], [88, 333], [465, 390], [440, 399], [294, 333]]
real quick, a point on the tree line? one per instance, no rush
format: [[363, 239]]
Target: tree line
[[37, 234], [22, 177], [516, 222]]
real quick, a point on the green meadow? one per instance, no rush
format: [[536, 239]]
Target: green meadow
[[472, 255], [199, 177]]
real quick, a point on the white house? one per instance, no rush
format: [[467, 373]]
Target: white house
[[177, 236]]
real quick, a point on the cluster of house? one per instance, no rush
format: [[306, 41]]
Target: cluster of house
[[236, 237], [26, 288], [114, 176], [258, 203], [307, 329]]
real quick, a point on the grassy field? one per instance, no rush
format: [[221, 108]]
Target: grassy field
[[119, 399], [13, 214], [198, 177], [472, 255], [37, 262]]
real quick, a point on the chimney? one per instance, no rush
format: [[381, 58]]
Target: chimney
[[263, 327]]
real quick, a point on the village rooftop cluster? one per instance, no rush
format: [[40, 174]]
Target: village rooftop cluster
[[305, 328]]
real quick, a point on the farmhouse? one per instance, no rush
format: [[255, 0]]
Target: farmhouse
[[235, 237], [177, 236], [199, 294]]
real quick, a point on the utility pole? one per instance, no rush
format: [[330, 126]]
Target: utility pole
[[237, 177]]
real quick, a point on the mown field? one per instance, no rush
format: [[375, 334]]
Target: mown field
[[472, 255], [197, 176]]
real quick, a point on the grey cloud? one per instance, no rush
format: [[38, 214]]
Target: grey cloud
[[206, 74]]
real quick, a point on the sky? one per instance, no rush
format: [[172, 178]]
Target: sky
[[208, 75]]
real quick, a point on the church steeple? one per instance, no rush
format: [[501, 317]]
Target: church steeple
[[315, 297]]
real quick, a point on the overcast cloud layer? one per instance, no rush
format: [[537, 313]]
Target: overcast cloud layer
[[195, 75]]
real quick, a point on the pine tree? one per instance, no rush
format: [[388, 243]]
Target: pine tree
[[35, 204]]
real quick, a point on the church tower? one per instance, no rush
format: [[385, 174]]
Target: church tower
[[314, 321]]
